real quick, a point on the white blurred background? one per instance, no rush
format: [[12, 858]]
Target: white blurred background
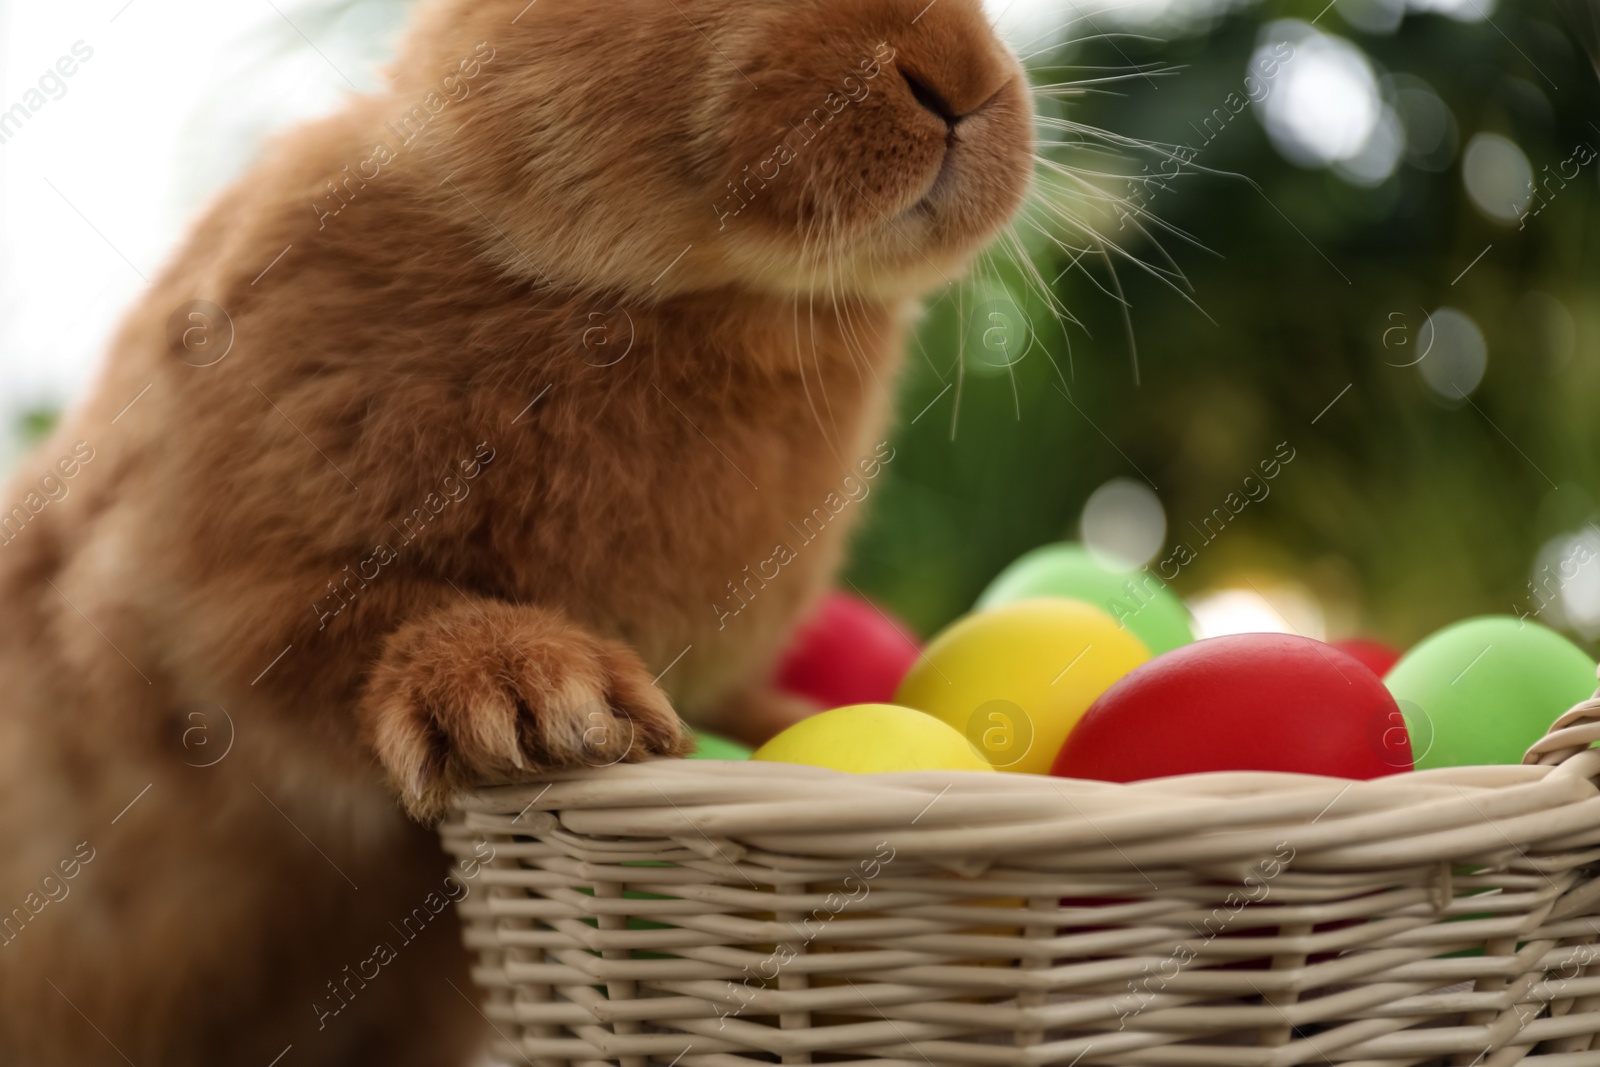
[[98, 184]]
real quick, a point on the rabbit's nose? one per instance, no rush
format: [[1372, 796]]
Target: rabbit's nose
[[930, 99]]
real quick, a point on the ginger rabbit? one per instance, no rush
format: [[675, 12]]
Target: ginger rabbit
[[458, 441]]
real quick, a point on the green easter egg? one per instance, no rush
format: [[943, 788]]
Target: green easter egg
[[1483, 690], [710, 746], [1137, 599]]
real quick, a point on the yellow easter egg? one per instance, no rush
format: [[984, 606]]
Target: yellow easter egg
[[1014, 680], [865, 738]]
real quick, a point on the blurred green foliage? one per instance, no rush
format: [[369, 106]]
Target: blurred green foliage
[[35, 424], [1402, 509]]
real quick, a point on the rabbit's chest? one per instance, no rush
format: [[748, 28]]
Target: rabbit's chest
[[698, 526]]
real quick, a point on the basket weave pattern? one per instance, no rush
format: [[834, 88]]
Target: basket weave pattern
[[717, 914]]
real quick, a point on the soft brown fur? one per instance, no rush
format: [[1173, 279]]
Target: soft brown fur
[[393, 350]]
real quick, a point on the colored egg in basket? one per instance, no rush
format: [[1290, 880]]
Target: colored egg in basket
[[869, 738], [1015, 679], [1247, 702], [1137, 600], [848, 652], [1482, 690], [711, 746]]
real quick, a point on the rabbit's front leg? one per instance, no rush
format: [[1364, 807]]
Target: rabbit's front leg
[[485, 692]]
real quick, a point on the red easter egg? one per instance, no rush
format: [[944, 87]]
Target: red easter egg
[[1377, 656], [849, 652], [1248, 702]]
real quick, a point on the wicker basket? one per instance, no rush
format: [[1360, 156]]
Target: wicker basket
[[712, 914]]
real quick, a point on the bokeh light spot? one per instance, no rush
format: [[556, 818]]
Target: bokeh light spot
[[1326, 105], [1274, 610], [1457, 354], [1124, 524], [1498, 177]]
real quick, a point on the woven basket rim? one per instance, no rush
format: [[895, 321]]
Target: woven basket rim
[[973, 819], [1576, 731]]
